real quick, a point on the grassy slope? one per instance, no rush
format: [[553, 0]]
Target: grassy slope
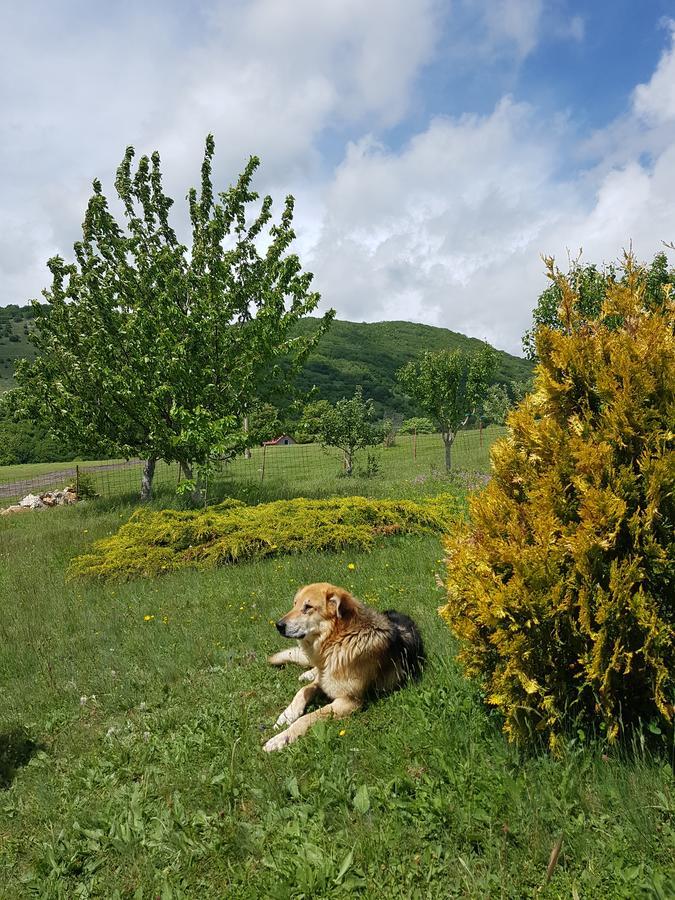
[[154, 784], [11, 352]]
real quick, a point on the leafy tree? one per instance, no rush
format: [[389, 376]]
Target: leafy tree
[[496, 404], [348, 426], [500, 400], [561, 587], [449, 385], [148, 348], [590, 285], [417, 424]]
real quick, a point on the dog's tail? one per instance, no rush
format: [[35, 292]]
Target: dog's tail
[[408, 647]]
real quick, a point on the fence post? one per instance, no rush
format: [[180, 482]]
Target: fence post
[[262, 473], [77, 481]]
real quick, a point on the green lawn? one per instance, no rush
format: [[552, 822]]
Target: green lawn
[[272, 471], [133, 716]]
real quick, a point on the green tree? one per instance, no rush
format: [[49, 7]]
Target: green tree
[[449, 386], [561, 586], [348, 426], [147, 348], [590, 285], [417, 425], [499, 400]]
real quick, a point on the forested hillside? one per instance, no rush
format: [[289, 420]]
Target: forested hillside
[[370, 354]]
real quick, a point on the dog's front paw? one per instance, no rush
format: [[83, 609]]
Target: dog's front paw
[[309, 675], [286, 718], [278, 742]]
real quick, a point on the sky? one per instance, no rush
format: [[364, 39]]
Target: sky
[[436, 148]]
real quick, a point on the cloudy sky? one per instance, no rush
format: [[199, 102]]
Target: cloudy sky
[[436, 148]]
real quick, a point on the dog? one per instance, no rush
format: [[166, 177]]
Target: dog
[[353, 652]]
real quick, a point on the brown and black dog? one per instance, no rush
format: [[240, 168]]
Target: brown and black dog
[[353, 651]]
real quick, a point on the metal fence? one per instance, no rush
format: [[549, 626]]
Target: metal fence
[[297, 467]]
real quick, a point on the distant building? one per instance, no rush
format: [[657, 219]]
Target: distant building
[[282, 441]]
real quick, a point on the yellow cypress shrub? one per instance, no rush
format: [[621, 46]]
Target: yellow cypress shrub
[[561, 587]]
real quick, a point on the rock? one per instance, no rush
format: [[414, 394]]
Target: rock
[[14, 509], [32, 501]]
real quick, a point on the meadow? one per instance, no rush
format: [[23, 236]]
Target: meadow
[[133, 715], [270, 472]]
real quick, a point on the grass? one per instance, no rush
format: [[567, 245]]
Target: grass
[[274, 471], [132, 717]]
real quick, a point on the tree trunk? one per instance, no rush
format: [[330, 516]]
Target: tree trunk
[[188, 474], [247, 451], [348, 462], [146, 478], [447, 440]]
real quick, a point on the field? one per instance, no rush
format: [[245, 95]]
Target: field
[[133, 716], [270, 471]]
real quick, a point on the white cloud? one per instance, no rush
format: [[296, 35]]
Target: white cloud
[[451, 229], [447, 228]]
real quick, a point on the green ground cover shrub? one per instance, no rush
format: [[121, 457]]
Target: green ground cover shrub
[[156, 542], [562, 588]]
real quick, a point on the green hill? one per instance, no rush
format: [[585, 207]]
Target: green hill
[[15, 322], [370, 354], [350, 354]]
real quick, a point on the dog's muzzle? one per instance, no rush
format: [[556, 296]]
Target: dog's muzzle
[[281, 627]]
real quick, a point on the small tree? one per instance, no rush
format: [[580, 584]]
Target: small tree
[[561, 587], [417, 425], [499, 400], [146, 348], [449, 385], [348, 426]]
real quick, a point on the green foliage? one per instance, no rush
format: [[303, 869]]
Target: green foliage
[[417, 425], [348, 426], [590, 286], [562, 587], [86, 486], [449, 386], [155, 543], [499, 400], [148, 349], [371, 354], [24, 441]]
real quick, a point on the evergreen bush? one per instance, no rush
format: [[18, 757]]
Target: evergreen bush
[[156, 542], [562, 586]]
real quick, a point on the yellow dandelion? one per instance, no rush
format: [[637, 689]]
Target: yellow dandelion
[[148, 618], [351, 566], [343, 732]]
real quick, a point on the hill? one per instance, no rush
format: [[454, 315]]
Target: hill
[[370, 354], [350, 354], [15, 322]]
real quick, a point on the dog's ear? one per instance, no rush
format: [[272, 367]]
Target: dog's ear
[[341, 600]]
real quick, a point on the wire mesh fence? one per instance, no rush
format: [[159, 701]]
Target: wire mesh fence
[[295, 467]]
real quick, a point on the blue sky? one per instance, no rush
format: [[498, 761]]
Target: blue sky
[[436, 149]]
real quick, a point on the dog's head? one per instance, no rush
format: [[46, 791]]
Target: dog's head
[[316, 608]]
